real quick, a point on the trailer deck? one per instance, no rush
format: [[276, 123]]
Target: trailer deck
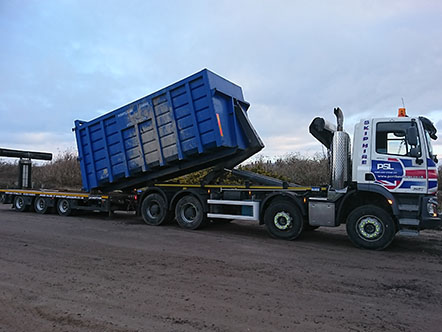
[[51, 193]]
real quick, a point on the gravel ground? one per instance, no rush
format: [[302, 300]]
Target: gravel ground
[[92, 273]]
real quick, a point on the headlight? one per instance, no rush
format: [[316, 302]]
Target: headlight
[[432, 208]]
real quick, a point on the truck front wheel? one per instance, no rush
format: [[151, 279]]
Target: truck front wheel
[[283, 220], [154, 209], [370, 227]]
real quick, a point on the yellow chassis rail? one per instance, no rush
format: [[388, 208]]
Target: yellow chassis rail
[[241, 187]]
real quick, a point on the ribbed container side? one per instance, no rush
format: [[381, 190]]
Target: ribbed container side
[[189, 125]]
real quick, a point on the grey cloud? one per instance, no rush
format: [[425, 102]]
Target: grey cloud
[[295, 60]]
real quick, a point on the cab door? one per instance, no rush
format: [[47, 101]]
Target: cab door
[[396, 165]]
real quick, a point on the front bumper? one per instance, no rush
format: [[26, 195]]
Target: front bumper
[[431, 223], [429, 216]]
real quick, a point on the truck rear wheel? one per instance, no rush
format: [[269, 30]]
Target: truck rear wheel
[[64, 207], [370, 227], [283, 220], [40, 205], [20, 204], [154, 209], [2, 198], [189, 212]]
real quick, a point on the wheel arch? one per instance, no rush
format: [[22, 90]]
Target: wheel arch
[[356, 198]]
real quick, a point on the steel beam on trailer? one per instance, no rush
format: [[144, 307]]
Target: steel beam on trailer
[[25, 154]]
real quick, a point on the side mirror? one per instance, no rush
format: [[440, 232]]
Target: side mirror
[[412, 135]]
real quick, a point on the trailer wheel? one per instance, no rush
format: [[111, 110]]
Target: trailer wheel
[[370, 227], [20, 204], [2, 198], [40, 205], [283, 220], [64, 207], [189, 212], [154, 209]]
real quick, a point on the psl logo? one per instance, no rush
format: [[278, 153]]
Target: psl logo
[[385, 167]]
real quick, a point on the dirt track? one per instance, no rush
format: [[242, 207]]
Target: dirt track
[[91, 273]]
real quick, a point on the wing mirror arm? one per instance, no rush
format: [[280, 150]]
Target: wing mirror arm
[[414, 152], [413, 141]]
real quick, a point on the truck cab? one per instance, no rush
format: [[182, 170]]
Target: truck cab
[[384, 156], [389, 182]]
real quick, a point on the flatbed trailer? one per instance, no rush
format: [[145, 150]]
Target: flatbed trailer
[[192, 205], [65, 202]]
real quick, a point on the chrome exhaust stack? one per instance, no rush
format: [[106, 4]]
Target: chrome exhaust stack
[[340, 154], [337, 142]]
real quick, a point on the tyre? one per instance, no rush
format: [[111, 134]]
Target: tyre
[[189, 212], [40, 205], [20, 204], [154, 209], [2, 198], [283, 220], [64, 207], [370, 227]]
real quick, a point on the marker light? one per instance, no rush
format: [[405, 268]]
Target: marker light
[[219, 125], [390, 202], [401, 112]]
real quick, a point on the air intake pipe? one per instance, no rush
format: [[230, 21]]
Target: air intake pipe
[[323, 131]]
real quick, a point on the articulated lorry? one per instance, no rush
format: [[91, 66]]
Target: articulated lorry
[[129, 157]]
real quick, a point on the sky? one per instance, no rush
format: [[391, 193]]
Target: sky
[[71, 59]]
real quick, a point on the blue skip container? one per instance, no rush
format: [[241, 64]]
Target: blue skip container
[[196, 123]]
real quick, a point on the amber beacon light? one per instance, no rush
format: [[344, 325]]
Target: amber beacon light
[[401, 112]]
